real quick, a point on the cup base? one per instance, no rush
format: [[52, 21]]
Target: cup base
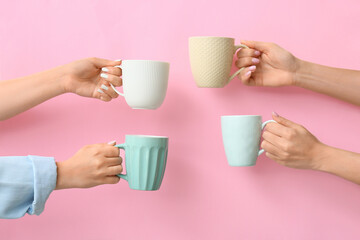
[[147, 190], [210, 86], [145, 108], [242, 165]]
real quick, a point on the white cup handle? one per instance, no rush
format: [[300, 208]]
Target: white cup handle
[[112, 86], [261, 151], [238, 71]]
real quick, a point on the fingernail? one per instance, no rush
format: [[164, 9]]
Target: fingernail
[[100, 91], [255, 60], [275, 114], [248, 74], [104, 75], [118, 60], [252, 68], [104, 87], [112, 142], [104, 69], [257, 53]]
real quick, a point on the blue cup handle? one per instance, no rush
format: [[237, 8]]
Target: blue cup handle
[[123, 176], [262, 127]]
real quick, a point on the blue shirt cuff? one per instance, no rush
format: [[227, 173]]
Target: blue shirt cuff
[[45, 174]]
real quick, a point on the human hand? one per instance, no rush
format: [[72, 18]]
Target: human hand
[[92, 165], [266, 64], [84, 77], [291, 144]]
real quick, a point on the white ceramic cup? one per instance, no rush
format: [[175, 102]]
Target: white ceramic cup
[[144, 82]]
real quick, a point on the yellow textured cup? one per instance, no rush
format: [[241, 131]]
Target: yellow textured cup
[[211, 60]]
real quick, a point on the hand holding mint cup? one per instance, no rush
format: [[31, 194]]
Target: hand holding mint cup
[[145, 160], [241, 137]]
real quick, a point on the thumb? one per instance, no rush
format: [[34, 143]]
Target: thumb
[[261, 46], [283, 121], [100, 62]]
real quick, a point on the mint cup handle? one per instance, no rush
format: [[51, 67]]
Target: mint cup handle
[[123, 176], [262, 127], [112, 86], [238, 71]]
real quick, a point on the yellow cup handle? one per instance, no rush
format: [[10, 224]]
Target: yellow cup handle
[[238, 71]]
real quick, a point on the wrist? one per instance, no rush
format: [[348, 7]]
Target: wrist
[[57, 79], [321, 157], [300, 68], [62, 178]]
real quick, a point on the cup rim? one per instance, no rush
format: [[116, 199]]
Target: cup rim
[[194, 37], [145, 136], [143, 60], [240, 116]]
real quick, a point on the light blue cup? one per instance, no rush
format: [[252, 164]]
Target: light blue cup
[[241, 138], [145, 158]]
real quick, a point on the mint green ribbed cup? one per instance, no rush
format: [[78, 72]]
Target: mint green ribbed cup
[[145, 158]]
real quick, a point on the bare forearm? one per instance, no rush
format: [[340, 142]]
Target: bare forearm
[[18, 95], [343, 84], [341, 163]]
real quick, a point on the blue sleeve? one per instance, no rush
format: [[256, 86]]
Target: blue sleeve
[[25, 184]]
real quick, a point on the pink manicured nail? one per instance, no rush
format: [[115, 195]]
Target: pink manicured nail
[[275, 114], [248, 74], [255, 60], [252, 68], [257, 53]]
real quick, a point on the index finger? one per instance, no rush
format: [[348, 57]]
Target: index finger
[[276, 128], [111, 151], [248, 53]]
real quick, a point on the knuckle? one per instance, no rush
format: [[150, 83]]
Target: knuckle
[[270, 126], [87, 147], [286, 147], [98, 163], [265, 134], [97, 151], [263, 145], [290, 133], [285, 155], [114, 180]]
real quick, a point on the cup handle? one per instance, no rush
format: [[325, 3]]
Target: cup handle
[[112, 86], [261, 151], [238, 71], [123, 176]]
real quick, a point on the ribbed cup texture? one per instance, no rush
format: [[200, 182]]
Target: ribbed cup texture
[[145, 167], [211, 59], [145, 83]]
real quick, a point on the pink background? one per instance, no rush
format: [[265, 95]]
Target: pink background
[[201, 196]]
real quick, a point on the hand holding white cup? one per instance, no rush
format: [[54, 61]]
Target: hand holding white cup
[[144, 83]]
